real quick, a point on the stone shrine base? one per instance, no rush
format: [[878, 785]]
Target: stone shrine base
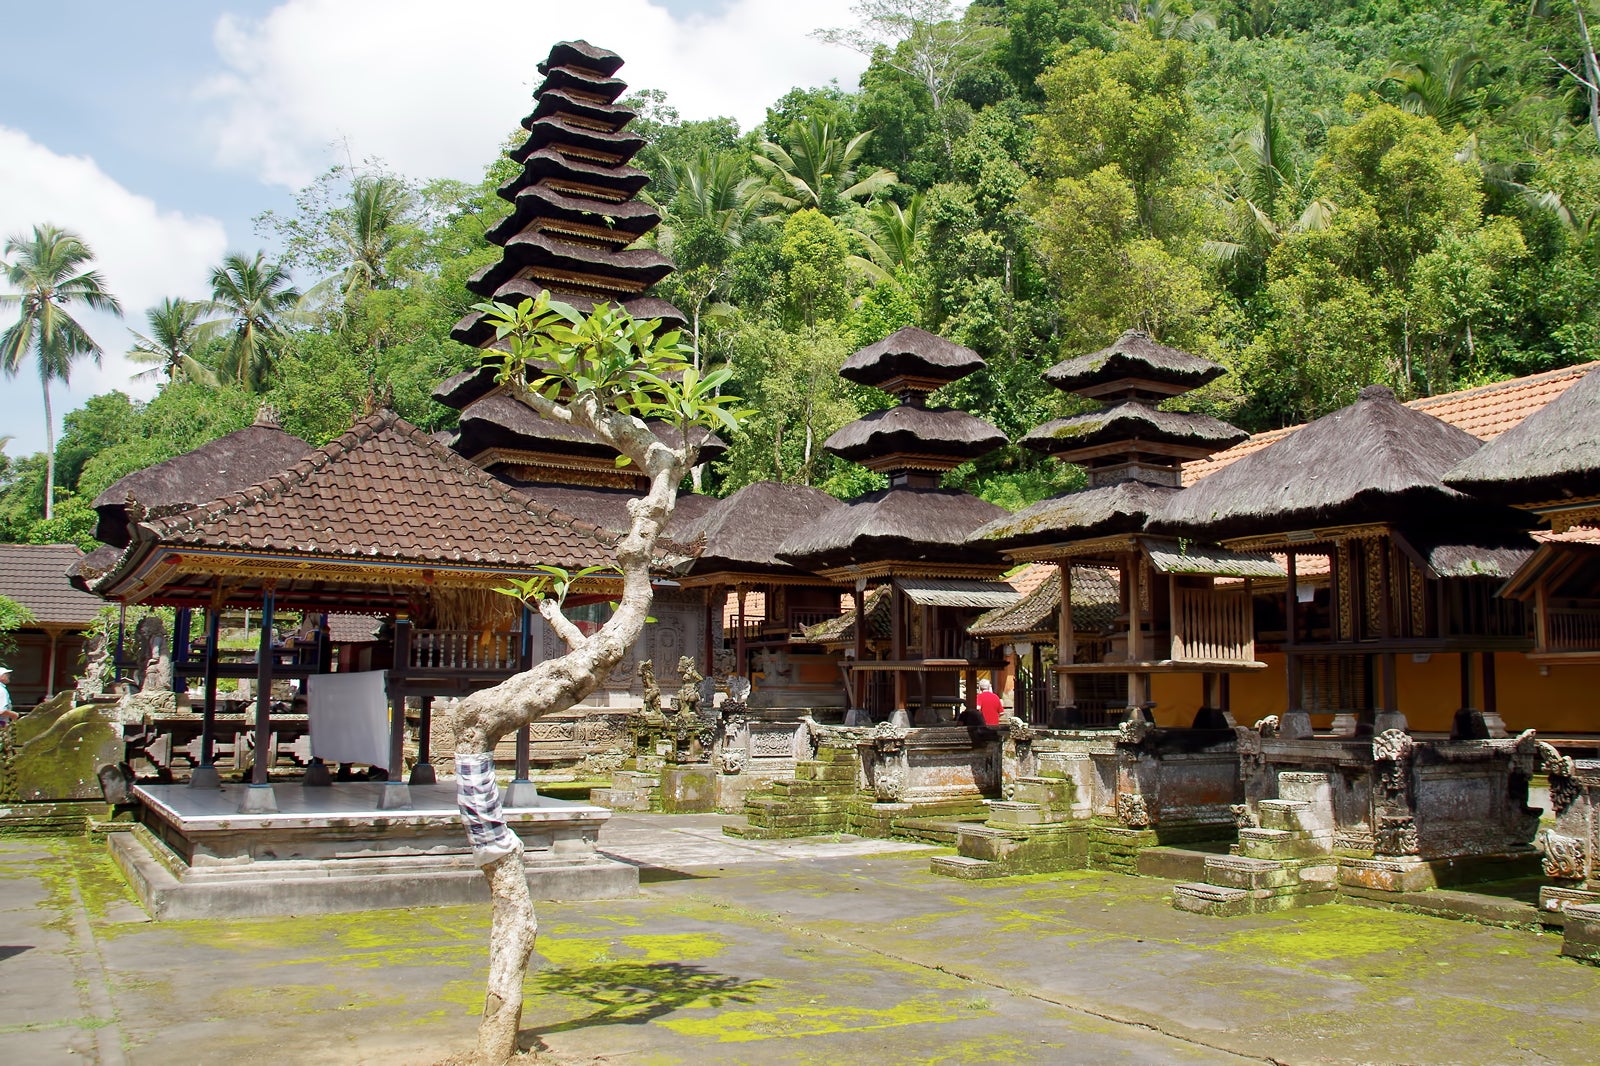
[[326, 850]]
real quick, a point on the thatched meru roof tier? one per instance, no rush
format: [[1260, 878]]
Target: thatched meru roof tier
[[500, 421], [910, 525], [596, 146], [1095, 602], [575, 198], [1134, 363], [743, 531], [842, 630], [615, 225], [910, 360], [583, 270], [577, 81], [1552, 457], [914, 437], [576, 111], [383, 505], [1123, 507], [459, 390], [1374, 461], [584, 56], [224, 465], [1133, 427]]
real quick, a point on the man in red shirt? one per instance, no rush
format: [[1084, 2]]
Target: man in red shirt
[[989, 704]]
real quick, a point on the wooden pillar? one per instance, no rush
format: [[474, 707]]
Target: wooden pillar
[[1390, 692], [1040, 690], [1491, 700], [1466, 680], [743, 669], [1066, 647], [397, 694], [858, 682], [715, 599], [897, 643], [208, 712], [264, 663], [1291, 654], [1135, 586]]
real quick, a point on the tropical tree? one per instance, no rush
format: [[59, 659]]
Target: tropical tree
[[711, 189], [1444, 84], [613, 372], [819, 169], [258, 298], [889, 233], [50, 269], [925, 39], [177, 331]]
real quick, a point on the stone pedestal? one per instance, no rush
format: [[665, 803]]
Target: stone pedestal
[[688, 789], [1582, 938]]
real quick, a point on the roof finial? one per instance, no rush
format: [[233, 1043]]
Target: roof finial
[[267, 415]]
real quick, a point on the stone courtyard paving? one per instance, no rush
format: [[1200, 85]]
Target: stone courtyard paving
[[780, 952]]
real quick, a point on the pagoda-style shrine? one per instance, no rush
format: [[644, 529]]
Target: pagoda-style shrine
[[1183, 610], [575, 213], [911, 536]]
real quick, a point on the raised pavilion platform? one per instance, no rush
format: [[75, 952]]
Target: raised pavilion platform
[[330, 849]]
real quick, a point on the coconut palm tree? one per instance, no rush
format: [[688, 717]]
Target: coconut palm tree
[[258, 298], [820, 170], [370, 230], [710, 188], [50, 270], [177, 330], [890, 235], [1446, 85]]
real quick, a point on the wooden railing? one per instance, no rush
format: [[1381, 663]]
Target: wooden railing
[[1572, 629], [1212, 626], [464, 649]]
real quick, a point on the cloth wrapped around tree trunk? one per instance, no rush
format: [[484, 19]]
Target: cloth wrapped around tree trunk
[[478, 797]]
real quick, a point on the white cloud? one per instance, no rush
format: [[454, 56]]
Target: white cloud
[[433, 88], [144, 252]]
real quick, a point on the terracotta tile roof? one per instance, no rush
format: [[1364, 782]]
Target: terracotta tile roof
[[386, 491], [35, 575], [1485, 411]]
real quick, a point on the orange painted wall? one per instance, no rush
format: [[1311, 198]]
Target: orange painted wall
[[1565, 698]]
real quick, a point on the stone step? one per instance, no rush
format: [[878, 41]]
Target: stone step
[[1012, 813], [1219, 902], [966, 868], [1240, 871], [1278, 844], [1288, 815], [1173, 864]]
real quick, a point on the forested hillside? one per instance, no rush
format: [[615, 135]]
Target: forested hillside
[[1318, 193]]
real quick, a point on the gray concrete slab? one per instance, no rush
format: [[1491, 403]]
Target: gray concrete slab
[[833, 950]]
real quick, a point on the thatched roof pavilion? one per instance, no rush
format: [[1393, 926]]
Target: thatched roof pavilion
[[1413, 563], [214, 469], [1549, 463]]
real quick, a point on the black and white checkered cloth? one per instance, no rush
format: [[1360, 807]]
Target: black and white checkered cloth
[[479, 799]]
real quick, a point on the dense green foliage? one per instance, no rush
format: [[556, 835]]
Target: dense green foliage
[[1318, 194]]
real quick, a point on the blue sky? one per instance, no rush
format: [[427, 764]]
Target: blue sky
[[158, 130]]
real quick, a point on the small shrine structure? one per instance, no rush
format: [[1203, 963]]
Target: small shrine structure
[[911, 535], [1549, 465], [1413, 567]]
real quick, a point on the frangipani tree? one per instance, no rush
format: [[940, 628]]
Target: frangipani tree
[[608, 373]]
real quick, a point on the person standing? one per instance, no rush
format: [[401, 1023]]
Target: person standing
[[8, 713], [989, 704]]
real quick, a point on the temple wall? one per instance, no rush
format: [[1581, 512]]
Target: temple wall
[[1561, 699]]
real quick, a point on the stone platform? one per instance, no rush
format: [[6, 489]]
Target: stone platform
[[194, 855]]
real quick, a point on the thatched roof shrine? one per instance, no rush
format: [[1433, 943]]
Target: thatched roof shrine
[[1134, 362], [741, 533], [224, 465], [1375, 461], [1550, 462], [902, 436], [1124, 507], [915, 526], [575, 201], [910, 359], [1114, 430], [1095, 602]]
